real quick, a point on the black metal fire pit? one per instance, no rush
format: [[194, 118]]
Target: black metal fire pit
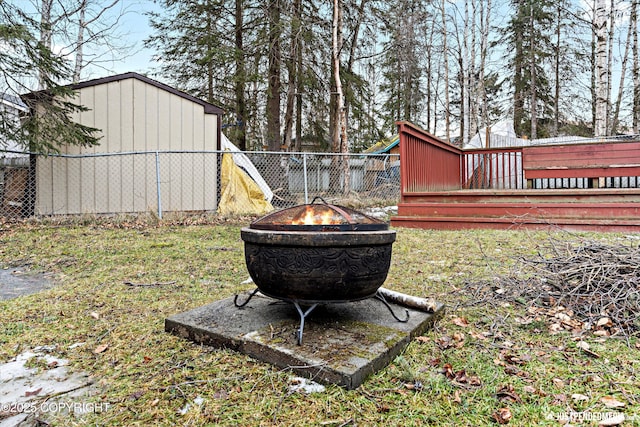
[[317, 254]]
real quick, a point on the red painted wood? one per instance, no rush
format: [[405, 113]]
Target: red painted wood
[[447, 188], [426, 162], [575, 209], [582, 160]]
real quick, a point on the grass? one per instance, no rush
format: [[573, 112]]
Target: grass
[[484, 361]]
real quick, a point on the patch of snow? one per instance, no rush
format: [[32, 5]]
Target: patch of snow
[[305, 385]]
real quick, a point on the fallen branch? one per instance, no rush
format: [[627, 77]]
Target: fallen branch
[[143, 285], [424, 304]]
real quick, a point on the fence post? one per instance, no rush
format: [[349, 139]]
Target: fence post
[[158, 184], [304, 174]]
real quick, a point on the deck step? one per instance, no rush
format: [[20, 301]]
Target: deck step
[[572, 224], [589, 210]]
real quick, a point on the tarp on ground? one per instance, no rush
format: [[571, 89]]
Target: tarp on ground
[[240, 195], [245, 163]]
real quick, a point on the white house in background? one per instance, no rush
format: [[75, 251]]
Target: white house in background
[[11, 106], [134, 114]]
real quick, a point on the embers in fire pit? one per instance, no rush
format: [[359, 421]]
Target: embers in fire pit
[[318, 217]]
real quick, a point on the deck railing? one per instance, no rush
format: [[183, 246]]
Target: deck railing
[[498, 168], [430, 164], [426, 162]]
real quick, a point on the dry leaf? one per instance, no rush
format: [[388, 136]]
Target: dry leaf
[[614, 420], [507, 393], [604, 321], [558, 383], [444, 342], [477, 335], [582, 345], [94, 315], [456, 397], [611, 402], [460, 321], [100, 349], [579, 397], [422, 339], [502, 416], [529, 389], [32, 393], [559, 399]]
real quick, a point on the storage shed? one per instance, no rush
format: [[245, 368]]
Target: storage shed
[[155, 152]]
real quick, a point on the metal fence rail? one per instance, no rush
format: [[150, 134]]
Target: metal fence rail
[[159, 182]]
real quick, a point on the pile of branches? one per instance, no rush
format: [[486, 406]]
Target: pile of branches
[[592, 279]]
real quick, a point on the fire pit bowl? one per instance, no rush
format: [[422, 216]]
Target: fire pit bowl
[[345, 260]]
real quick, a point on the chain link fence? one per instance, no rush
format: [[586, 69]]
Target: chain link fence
[[162, 182]]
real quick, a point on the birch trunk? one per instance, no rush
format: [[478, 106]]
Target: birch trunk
[[465, 76], [341, 133], [600, 26], [623, 71], [610, 65], [636, 68], [45, 35], [447, 116], [77, 69]]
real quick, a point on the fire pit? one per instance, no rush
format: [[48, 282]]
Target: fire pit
[[317, 254]]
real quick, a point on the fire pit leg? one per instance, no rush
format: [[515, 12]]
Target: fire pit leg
[[303, 315], [235, 299], [380, 297]]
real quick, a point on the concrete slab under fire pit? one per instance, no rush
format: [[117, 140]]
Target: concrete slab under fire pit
[[343, 343]]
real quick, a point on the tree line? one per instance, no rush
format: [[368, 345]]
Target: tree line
[[562, 67], [339, 74]]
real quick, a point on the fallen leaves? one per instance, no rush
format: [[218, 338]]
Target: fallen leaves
[[502, 416], [611, 402], [460, 377], [100, 349], [507, 393]]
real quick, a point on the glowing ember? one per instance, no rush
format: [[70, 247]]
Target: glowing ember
[[317, 216]]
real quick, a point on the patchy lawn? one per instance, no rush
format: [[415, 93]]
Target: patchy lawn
[[497, 357]]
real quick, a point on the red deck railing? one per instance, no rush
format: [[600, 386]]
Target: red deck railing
[[499, 168], [430, 164], [426, 162]]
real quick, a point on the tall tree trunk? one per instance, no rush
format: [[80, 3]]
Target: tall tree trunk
[[600, 26], [273, 90], [445, 59], [636, 68], [240, 80], [556, 94], [77, 69], [612, 12], [465, 76], [518, 95], [291, 71], [341, 127], [299, 87], [623, 71], [473, 83], [485, 19], [532, 70], [45, 34]]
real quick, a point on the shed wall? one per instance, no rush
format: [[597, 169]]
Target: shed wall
[[134, 117]]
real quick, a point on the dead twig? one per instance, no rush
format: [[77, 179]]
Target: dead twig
[[150, 284]]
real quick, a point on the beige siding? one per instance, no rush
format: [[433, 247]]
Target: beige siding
[[134, 116]]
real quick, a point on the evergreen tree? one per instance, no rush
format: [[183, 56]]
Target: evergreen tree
[[25, 60]]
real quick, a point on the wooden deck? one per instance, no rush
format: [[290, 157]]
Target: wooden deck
[[443, 187]]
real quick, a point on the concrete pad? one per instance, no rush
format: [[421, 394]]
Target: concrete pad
[[343, 343]]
